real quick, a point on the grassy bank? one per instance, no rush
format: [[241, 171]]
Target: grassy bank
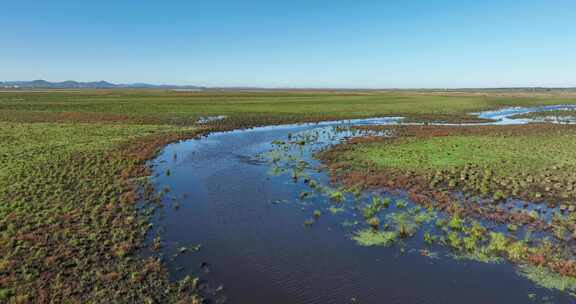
[[69, 223], [558, 115], [532, 162]]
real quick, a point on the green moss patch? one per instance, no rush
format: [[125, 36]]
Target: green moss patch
[[370, 237]]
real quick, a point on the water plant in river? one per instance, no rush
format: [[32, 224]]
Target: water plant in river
[[548, 279], [374, 222], [455, 223], [429, 238], [377, 204], [401, 204], [336, 196], [369, 237], [476, 173], [309, 222], [497, 243], [335, 210], [407, 223], [317, 214]]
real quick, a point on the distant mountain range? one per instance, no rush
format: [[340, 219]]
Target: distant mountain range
[[70, 84], [43, 84]]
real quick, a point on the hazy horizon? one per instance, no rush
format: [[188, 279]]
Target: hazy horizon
[[296, 87], [369, 45]]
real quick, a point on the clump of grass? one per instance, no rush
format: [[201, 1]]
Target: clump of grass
[[455, 223], [317, 214], [337, 196], [313, 184], [335, 210], [497, 242], [157, 243], [386, 202], [369, 237], [374, 222], [516, 251], [372, 209], [401, 204], [429, 238], [406, 223], [422, 217], [454, 240]]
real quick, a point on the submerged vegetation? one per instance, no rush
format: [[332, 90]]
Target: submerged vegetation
[[369, 237], [562, 116], [464, 182], [494, 186], [548, 279]]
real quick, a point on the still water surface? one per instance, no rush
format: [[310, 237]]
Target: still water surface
[[226, 195]]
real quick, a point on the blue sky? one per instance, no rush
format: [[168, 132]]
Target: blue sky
[[297, 43]]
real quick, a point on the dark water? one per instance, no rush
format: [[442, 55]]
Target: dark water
[[250, 224]]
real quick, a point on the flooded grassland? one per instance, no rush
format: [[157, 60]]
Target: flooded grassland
[[88, 213], [373, 210]]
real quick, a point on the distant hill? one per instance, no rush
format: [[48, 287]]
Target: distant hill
[[70, 84]]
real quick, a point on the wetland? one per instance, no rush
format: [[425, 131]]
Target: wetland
[[370, 209], [286, 197]]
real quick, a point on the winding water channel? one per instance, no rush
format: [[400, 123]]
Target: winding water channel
[[247, 211]]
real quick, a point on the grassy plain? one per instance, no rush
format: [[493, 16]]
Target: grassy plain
[[529, 148], [532, 162], [184, 107], [68, 219], [70, 162]]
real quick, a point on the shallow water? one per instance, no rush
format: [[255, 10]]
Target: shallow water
[[506, 116], [249, 219]]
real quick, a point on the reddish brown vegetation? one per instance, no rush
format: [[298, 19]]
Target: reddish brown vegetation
[[73, 117], [417, 185]]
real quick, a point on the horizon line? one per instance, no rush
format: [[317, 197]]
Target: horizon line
[[257, 87]]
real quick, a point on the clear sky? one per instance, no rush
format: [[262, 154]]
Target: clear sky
[[292, 43]]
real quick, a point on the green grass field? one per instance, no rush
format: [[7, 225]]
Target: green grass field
[[68, 223], [504, 153], [69, 227], [170, 107], [531, 162]]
